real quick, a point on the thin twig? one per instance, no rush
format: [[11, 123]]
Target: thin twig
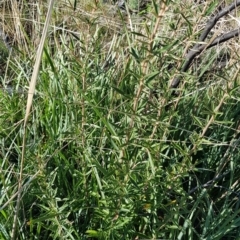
[[199, 47]]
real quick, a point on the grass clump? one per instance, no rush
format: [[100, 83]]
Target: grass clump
[[113, 150]]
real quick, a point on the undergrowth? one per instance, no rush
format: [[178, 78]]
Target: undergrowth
[[112, 150]]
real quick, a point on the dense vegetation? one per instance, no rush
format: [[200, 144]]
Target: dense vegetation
[[114, 149]]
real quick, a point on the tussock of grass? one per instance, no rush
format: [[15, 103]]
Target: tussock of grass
[[111, 152]]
